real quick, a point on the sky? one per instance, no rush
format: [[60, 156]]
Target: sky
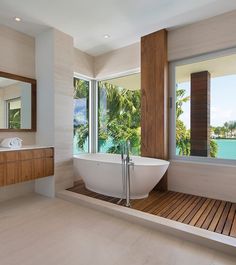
[[223, 100]]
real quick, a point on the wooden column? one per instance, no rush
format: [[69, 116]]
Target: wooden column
[[200, 114], [154, 88]]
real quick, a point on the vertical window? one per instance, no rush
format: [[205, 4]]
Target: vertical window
[[81, 116], [205, 105], [119, 110], [14, 113]]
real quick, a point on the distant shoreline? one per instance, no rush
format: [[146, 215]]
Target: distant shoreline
[[219, 138]]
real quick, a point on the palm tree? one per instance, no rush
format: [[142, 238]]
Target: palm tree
[[226, 126], [231, 127], [182, 134], [119, 117]]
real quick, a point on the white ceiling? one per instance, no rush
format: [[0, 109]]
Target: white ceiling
[[131, 82], [124, 20], [220, 66]]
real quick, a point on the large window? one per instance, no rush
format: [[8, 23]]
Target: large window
[[119, 114], [81, 116], [219, 100]]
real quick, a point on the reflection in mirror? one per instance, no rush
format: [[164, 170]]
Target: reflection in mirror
[[15, 104]]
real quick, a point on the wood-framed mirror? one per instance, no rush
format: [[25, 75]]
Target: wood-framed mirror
[[17, 103]]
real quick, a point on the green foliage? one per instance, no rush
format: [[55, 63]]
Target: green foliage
[[228, 130], [213, 148], [81, 90], [119, 117], [182, 134], [14, 118]]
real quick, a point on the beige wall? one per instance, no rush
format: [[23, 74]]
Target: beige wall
[[63, 119], [17, 56], [209, 35], [216, 181], [118, 61], [211, 180], [83, 63], [17, 52]]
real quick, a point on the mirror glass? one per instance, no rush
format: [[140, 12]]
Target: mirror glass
[[15, 104]]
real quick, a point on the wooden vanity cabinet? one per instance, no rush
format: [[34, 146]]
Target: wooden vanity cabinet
[[24, 165]]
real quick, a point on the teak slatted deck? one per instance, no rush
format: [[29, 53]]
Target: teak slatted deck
[[213, 215]]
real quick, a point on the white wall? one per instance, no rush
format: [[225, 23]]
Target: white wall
[[54, 71], [45, 88]]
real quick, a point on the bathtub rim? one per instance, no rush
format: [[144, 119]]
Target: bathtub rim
[[85, 156]]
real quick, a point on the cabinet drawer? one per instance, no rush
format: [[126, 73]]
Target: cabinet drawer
[[26, 170], [12, 173], [39, 153], [49, 152], [49, 166], [2, 174], [11, 156], [25, 155], [38, 168], [2, 157], [24, 165]]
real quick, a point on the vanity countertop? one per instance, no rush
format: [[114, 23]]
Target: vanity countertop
[[24, 147]]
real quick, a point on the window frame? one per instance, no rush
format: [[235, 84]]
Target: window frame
[[172, 115], [85, 78]]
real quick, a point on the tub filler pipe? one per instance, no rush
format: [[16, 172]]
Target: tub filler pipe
[[126, 164]]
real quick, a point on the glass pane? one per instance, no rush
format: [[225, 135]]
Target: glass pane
[[81, 116], [222, 125], [183, 118], [119, 113], [223, 115]]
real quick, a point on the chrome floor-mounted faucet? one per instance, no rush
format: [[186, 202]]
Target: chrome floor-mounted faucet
[[126, 163]]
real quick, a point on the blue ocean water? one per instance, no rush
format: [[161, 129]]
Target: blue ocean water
[[226, 148]]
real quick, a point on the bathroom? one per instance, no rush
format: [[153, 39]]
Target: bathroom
[[50, 58]]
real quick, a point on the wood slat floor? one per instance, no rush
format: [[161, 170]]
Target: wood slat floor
[[213, 215]]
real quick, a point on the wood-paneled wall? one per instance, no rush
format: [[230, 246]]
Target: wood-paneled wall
[[154, 89]]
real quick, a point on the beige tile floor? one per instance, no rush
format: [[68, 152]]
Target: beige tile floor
[[35, 230]]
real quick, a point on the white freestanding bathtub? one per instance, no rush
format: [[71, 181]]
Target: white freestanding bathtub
[[102, 173]]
